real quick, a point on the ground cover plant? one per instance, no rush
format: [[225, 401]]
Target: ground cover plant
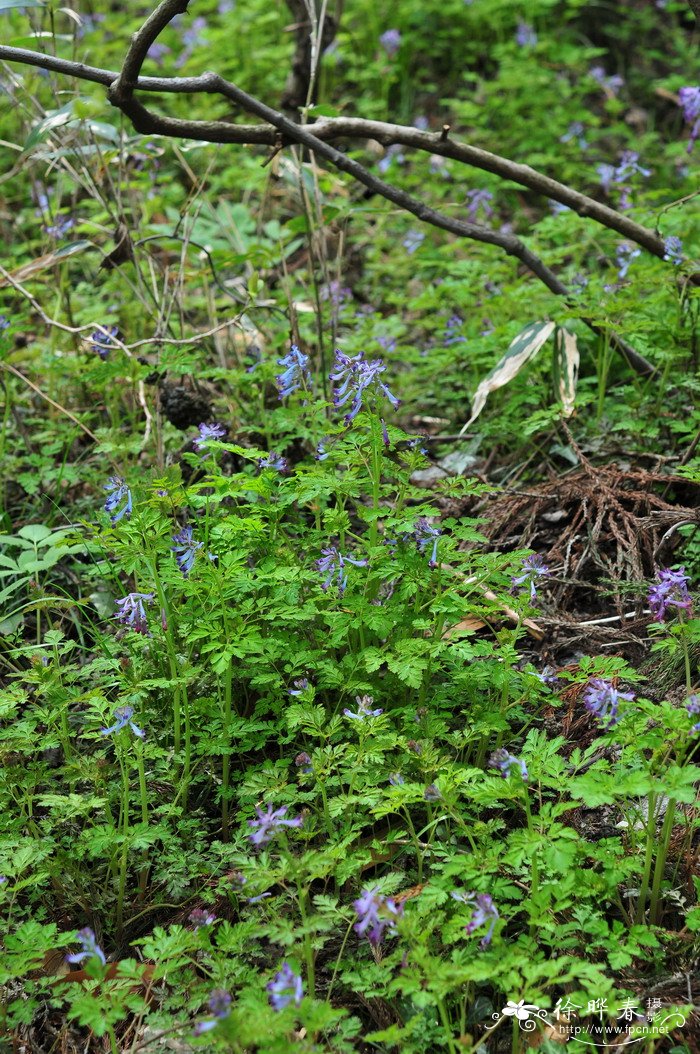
[[349, 562]]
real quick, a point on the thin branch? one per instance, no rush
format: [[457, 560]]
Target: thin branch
[[120, 93], [348, 128]]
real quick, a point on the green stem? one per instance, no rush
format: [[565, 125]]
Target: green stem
[[661, 859], [534, 863], [449, 1034], [125, 846], [648, 857], [226, 757]]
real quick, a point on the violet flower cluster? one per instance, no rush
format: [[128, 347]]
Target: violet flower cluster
[[485, 912], [207, 432], [102, 340], [424, 534], [268, 823], [692, 705], [273, 461], [670, 590], [124, 715], [479, 201], [673, 250], [603, 700], [376, 914], [364, 702], [332, 565], [296, 373], [119, 502], [132, 612], [286, 987], [90, 949], [355, 377], [219, 1007], [689, 98], [534, 567], [185, 549], [505, 763]]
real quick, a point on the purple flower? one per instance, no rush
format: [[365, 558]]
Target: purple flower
[[299, 686], [303, 761], [689, 98], [191, 37], [90, 948], [413, 240], [332, 564], [548, 676], [269, 822], [391, 154], [628, 166], [60, 227], [274, 461], [376, 913], [321, 452], [607, 176], [390, 41], [119, 495], [575, 131], [4, 323], [505, 763], [132, 613], [124, 715], [102, 340], [296, 373], [364, 703], [610, 85], [602, 700], [673, 250], [624, 255], [219, 1006], [286, 987], [451, 335], [479, 201], [207, 432], [432, 793], [396, 779], [185, 549], [671, 590], [533, 568], [356, 376], [157, 52], [424, 534], [525, 35], [693, 707], [200, 917], [484, 912], [226, 6]]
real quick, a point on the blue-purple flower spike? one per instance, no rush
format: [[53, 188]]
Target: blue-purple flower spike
[[102, 340], [132, 613], [424, 534], [364, 702], [207, 432], [185, 549], [332, 564], [286, 987], [269, 823], [219, 1006], [505, 763], [692, 705], [534, 567], [118, 503], [670, 590], [296, 373], [124, 716], [354, 376], [90, 948], [602, 700], [484, 912], [376, 913]]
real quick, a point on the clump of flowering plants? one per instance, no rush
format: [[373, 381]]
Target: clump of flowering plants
[[292, 733]]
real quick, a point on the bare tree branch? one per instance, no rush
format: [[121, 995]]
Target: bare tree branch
[[121, 89], [349, 128]]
